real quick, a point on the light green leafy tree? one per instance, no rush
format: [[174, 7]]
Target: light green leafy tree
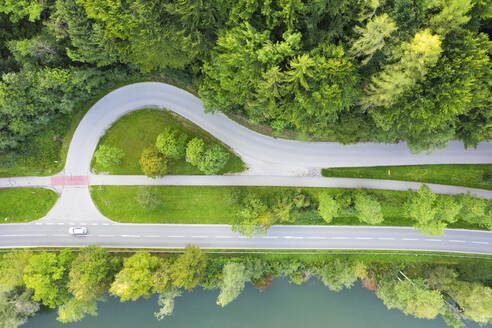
[[412, 297], [75, 310], [12, 267], [337, 274], [328, 207], [166, 302], [432, 212], [47, 275], [153, 163], [135, 279], [368, 209], [189, 268], [108, 156], [213, 160], [91, 274], [234, 278], [195, 150], [171, 143]]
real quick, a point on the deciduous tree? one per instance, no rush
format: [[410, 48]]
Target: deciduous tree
[[234, 277], [135, 279], [189, 268], [328, 207]]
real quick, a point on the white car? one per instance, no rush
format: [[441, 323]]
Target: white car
[[78, 231]]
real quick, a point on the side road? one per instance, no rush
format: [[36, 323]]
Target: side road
[[263, 155]]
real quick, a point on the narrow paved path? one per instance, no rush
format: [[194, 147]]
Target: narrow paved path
[[281, 181], [271, 162]]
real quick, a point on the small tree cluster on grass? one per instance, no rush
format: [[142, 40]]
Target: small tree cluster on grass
[[209, 159], [256, 215], [152, 162], [171, 143], [108, 156]]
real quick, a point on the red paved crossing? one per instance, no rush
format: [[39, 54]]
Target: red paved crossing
[[79, 180]]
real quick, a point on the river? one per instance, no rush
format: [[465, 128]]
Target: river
[[284, 305]]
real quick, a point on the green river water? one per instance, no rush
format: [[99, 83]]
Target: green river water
[[282, 305]]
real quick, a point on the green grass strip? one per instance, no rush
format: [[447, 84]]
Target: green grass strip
[[25, 204], [212, 205], [466, 175]]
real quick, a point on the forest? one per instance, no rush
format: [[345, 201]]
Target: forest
[[74, 281], [348, 71]]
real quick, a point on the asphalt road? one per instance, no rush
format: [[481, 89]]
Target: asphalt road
[[263, 155], [51, 234]]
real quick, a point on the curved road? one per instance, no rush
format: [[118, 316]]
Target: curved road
[[263, 154], [271, 162]]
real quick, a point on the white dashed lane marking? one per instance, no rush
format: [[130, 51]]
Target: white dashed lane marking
[[433, 240], [410, 239], [386, 238], [130, 236], [339, 237], [480, 242], [457, 241]]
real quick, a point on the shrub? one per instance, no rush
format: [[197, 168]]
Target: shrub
[[108, 156], [328, 207], [195, 151], [171, 143], [487, 177], [148, 197], [301, 200], [153, 164], [214, 159]]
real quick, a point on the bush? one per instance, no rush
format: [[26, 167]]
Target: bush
[[487, 177], [153, 164], [108, 156], [328, 207], [214, 159], [195, 151], [368, 209], [301, 200], [171, 143], [148, 197]]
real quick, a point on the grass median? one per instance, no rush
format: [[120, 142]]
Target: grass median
[[214, 205], [138, 130], [25, 204], [466, 175]]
